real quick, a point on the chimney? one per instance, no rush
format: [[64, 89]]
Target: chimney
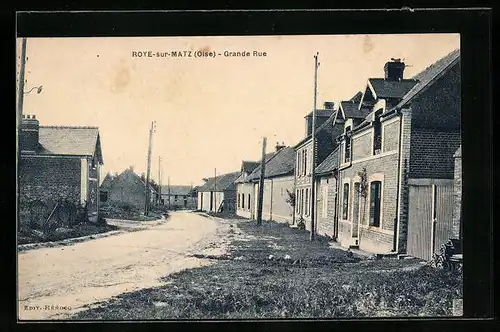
[[329, 105], [279, 146], [394, 70], [29, 133]]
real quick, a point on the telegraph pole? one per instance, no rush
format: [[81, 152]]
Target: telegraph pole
[[146, 186], [313, 161], [261, 182], [20, 96]]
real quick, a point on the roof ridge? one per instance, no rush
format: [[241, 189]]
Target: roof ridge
[[435, 63]]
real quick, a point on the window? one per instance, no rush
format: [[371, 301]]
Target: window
[[175, 198], [347, 146], [239, 200], [304, 162], [377, 134], [302, 201], [307, 202], [249, 200], [355, 207], [298, 164], [242, 201], [345, 202], [375, 192]]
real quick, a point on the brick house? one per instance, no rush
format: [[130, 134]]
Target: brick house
[[178, 197], [245, 189], [59, 163], [127, 188], [406, 145], [219, 194], [279, 180], [326, 131], [327, 196]]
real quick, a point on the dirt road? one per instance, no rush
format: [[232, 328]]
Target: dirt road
[[57, 282]]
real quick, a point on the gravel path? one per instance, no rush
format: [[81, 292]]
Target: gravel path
[[54, 283]]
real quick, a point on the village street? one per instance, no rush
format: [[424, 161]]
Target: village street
[[72, 276]]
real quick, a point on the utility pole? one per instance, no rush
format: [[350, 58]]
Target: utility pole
[[20, 96], [313, 161], [159, 180], [261, 182], [146, 185]]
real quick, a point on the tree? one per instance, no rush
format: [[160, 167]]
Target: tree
[[363, 190]]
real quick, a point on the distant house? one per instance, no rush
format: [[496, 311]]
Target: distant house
[[128, 188], [218, 194], [245, 189], [59, 163], [179, 197], [325, 135], [406, 145], [279, 181]]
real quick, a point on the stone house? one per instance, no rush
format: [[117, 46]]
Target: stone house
[[245, 189], [178, 197], [396, 164], [127, 188], [59, 163], [325, 133], [218, 194], [279, 181]]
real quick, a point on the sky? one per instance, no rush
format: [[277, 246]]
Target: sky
[[210, 113]]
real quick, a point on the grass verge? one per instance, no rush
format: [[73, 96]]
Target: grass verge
[[273, 271]]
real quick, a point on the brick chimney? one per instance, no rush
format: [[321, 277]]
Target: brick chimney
[[29, 133], [394, 70], [280, 146]]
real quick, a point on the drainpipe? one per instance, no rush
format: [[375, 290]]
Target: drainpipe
[[396, 217]]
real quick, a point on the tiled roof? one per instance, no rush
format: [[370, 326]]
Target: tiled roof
[[351, 110], [322, 113], [329, 164], [79, 141], [106, 183], [391, 89], [326, 126], [134, 174], [428, 75], [249, 166], [357, 97], [176, 190], [221, 183], [281, 163]]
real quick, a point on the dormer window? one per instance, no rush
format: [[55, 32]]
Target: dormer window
[[347, 146], [377, 133]]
